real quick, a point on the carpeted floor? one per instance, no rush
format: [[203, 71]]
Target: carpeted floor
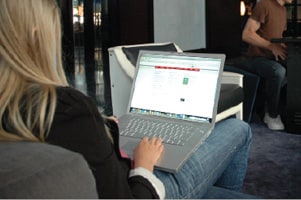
[[274, 169]]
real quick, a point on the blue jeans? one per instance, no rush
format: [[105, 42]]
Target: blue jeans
[[274, 75], [221, 161]]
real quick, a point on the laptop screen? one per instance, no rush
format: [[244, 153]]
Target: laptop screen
[[176, 85]]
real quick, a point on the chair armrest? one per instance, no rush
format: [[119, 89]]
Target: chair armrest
[[232, 78]]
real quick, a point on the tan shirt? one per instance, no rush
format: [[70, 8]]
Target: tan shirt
[[273, 19]]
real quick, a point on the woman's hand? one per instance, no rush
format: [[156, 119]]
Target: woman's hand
[[113, 118], [147, 153]]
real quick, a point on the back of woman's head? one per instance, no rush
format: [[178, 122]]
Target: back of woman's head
[[30, 65], [30, 38]]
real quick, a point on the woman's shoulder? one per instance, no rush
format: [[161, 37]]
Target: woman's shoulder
[[69, 92], [70, 99]]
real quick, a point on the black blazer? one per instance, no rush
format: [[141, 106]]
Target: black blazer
[[79, 127]]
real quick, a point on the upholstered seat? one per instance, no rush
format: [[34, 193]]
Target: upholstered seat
[[31, 170]]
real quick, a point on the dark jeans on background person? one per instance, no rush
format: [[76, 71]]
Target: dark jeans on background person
[[274, 74]]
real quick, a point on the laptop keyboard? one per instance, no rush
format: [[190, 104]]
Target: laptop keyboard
[[172, 133]]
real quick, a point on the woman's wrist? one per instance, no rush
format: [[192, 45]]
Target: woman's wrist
[[149, 167]]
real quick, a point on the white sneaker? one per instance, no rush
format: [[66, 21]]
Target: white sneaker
[[273, 123]]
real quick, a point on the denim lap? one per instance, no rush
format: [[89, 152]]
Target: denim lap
[[225, 150]]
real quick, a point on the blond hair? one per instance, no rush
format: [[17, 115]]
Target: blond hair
[[30, 68]]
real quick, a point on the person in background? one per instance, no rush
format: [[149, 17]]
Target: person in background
[[37, 104], [268, 21]]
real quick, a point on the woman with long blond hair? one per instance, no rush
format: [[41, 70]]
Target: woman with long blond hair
[[38, 105]]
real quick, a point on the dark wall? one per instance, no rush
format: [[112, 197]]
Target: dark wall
[[136, 21], [131, 21], [223, 26]]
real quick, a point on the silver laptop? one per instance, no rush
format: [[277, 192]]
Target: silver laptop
[[174, 96]]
